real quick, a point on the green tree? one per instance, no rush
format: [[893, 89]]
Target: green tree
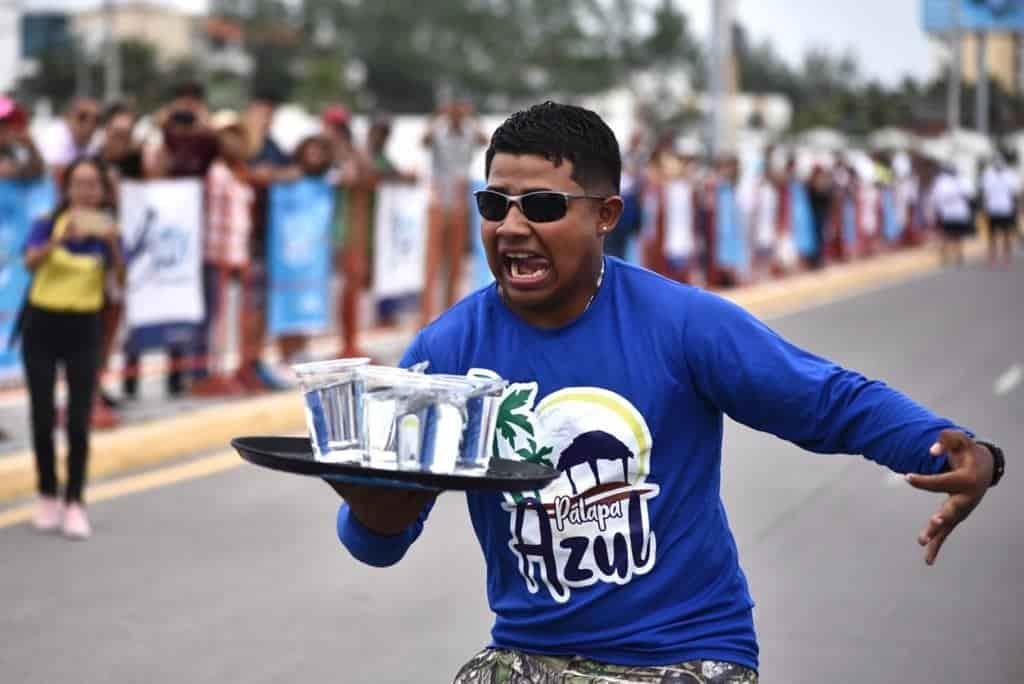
[[141, 74], [62, 71], [273, 37]]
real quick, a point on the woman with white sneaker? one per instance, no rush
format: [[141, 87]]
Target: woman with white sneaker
[[70, 254]]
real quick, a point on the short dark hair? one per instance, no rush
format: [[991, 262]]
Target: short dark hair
[[267, 93], [560, 131], [115, 109], [193, 89], [105, 180]]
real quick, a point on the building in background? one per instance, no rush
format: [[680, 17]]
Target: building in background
[[41, 31], [1002, 56], [10, 45], [171, 32]]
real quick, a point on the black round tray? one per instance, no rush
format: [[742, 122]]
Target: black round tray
[[295, 455]]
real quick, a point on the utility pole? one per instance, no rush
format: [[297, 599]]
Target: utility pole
[[111, 55], [956, 39], [719, 68], [981, 89]]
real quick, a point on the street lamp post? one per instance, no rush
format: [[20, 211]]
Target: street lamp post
[[953, 108], [111, 55], [718, 63], [981, 92]]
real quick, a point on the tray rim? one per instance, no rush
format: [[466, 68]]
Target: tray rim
[[396, 478]]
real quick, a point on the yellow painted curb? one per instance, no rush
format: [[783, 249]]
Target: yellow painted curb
[[797, 292], [147, 444], [151, 443]]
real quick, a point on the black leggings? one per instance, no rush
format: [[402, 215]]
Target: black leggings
[[73, 340]]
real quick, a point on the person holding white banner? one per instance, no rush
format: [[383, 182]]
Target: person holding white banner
[[229, 203], [70, 254], [383, 170]]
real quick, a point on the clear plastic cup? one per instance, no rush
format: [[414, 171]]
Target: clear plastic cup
[[331, 390], [392, 418], [477, 400], [415, 421]]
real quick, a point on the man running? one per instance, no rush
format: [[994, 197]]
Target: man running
[[625, 569]]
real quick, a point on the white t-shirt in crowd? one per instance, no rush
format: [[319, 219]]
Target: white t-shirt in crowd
[[949, 197], [678, 219], [57, 146], [766, 210], [999, 186]]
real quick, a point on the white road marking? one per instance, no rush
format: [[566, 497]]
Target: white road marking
[[1008, 381]]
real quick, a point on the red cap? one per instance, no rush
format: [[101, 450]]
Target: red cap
[[336, 115], [11, 112]]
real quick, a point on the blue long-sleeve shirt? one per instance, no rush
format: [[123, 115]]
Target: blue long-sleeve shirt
[[628, 557]]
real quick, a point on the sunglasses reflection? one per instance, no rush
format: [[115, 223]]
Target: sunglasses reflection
[[542, 206]]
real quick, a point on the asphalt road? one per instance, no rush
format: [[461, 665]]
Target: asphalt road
[[238, 577]]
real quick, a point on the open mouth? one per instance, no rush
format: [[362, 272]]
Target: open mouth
[[525, 269]]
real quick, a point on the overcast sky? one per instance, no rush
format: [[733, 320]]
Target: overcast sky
[[886, 34]]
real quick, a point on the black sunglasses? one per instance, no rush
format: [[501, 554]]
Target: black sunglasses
[[542, 206]]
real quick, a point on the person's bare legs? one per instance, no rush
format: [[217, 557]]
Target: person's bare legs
[[433, 251], [290, 345], [944, 244], [253, 327], [351, 294], [356, 268], [458, 235]]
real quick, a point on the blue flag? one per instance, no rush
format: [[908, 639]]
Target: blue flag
[[15, 222], [802, 220], [849, 223], [730, 235], [892, 223], [299, 256]]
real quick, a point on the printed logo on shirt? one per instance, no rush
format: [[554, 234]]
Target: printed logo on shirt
[[592, 524]]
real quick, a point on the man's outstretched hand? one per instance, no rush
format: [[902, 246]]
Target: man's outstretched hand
[[968, 478], [383, 510]]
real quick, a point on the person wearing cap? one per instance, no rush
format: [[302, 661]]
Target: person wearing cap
[[453, 138], [228, 228], [19, 157]]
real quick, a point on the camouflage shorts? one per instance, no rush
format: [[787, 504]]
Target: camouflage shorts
[[501, 666]]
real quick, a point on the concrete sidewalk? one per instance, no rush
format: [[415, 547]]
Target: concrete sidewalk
[[155, 429]]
